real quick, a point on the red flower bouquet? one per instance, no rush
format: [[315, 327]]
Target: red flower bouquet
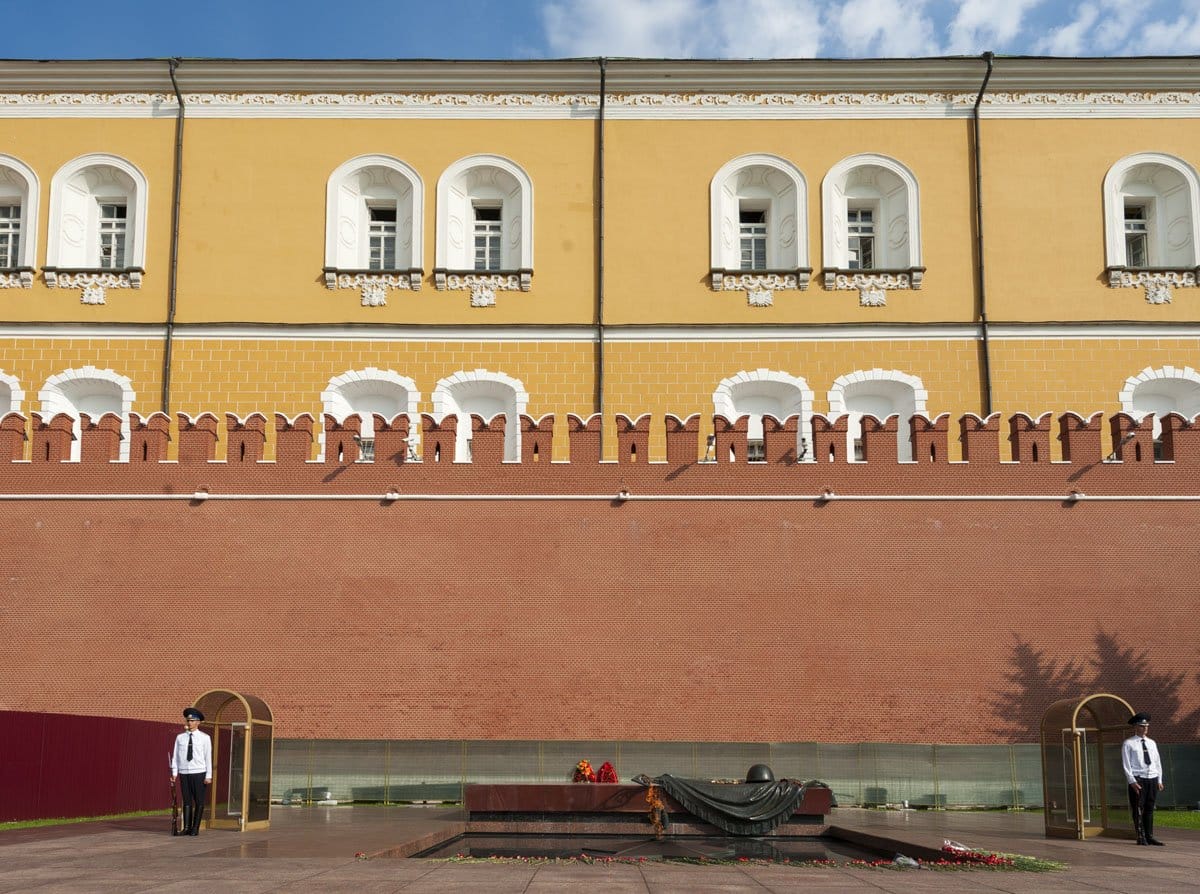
[[608, 773], [584, 772]]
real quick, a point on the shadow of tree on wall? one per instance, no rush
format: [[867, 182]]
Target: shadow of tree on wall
[[1034, 681]]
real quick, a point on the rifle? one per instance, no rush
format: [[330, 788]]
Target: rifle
[[175, 830]]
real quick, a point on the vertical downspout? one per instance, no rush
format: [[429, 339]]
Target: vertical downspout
[[981, 282], [173, 270], [599, 401]]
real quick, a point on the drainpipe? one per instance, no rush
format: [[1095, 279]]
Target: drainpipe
[[173, 270], [599, 401], [980, 280]]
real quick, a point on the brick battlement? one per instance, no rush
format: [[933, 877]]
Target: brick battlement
[[332, 455]]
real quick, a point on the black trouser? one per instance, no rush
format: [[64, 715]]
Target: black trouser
[[191, 787], [1142, 805]]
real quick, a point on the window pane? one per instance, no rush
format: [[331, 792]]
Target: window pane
[[382, 246], [113, 224], [10, 235], [487, 238]]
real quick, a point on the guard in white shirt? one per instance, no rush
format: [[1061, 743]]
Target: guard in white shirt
[[191, 764], [1143, 772]]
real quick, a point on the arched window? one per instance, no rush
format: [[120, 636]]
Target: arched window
[[488, 394], [1159, 392], [373, 227], [97, 235], [1151, 210], [92, 391], [758, 224], [484, 228], [369, 391], [872, 227], [19, 191], [879, 393], [760, 392], [11, 395]]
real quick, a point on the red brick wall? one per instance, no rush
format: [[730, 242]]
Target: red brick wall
[[569, 618]]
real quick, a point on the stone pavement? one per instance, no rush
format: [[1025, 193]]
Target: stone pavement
[[313, 849]]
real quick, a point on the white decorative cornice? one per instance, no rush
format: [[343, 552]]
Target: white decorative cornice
[[1158, 284], [683, 105], [872, 287], [94, 284], [759, 287], [373, 287], [18, 279]]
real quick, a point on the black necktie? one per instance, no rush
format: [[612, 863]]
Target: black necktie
[[189, 754], [1145, 752]]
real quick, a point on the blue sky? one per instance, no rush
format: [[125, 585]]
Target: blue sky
[[531, 29]]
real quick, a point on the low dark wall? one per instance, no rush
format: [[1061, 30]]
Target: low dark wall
[[64, 765]]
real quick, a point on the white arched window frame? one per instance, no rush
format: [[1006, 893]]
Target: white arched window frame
[[92, 391], [881, 195], [369, 391], [879, 393], [774, 192], [1158, 392], [19, 195], [759, 392], [82, 194], [488, 394], [363, 188], [1151, 217], [11, 394], [468, 190]]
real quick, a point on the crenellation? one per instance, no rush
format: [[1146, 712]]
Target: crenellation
[[879, 439], [980, 438], [585, 434], [394, 442], [1029, 438], [780, 441], [537, 438], [1080, 437], [245, 441], [52, 438], [149, 437], [100, 439], [391, 439], [293, 438], [12, 437], [829, 438], [438, 437], [633, 438], [1132, 438], [487, 438], [930, 438], [730, 439], [342, 439]]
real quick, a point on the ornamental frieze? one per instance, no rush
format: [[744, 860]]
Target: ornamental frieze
[[1158, 284], [94, 284], [760, 288], [373, 287], [873, 287], [20, 279]]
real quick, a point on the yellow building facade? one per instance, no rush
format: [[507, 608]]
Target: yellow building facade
[[613, 236]]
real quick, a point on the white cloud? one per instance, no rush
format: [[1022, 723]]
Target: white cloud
[[885, 28], [625, 28], [763, 29], [1069, 39], [988, 24], [1180, 37]]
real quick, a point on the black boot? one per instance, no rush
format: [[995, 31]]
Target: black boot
[[187, 820], [197, 816]]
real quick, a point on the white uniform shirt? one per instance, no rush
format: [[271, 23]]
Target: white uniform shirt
[[1133, 759], [201, 761]]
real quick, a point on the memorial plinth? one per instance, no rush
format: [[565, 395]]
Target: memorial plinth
[[591, 808]]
